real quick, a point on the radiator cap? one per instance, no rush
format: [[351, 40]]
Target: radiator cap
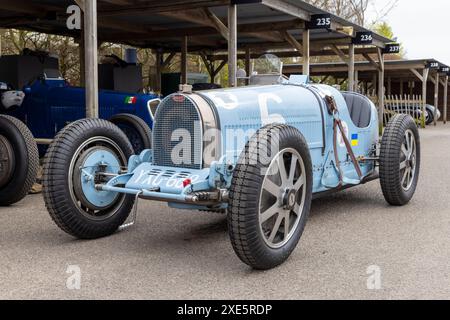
[[185, 88]]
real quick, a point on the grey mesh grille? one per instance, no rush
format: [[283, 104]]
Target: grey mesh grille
[[178, 115]]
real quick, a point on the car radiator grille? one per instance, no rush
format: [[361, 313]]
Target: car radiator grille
[[177, 134]]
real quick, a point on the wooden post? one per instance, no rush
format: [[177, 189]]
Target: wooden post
[[436, 98], [381, 89], [159, 58], [184, 63], [91, 58], [389, 86], [356, 87], [374, 82], [424, 95], [401, 88], [248, 62], [351, 67], [211, 72], [306, 52], [445, 98], [2, 32], [232, 45], [81, 50]]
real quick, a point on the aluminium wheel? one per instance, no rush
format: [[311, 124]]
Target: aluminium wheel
[[84, 154], [400, 160], [19, 160], [270, 197], [136, 130]]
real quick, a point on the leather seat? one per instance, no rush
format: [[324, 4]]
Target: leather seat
[[359, 107]]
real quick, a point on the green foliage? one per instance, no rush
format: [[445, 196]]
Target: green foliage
[[384, 29]]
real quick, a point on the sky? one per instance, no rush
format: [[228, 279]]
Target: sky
[[423, 27]]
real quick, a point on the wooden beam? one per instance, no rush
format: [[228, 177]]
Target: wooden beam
[[373, 62], [209, 66], [340, 53], [292, 41], [217, 23], [288, 54], [256, 29], [168, 60], [220, 67], [417, 74], [287, 8], [156, 7]]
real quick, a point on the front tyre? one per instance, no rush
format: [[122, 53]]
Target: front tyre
[[270, 197], [83, 154], [400, 160]]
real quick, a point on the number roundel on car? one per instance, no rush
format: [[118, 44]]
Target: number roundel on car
[[340, 136]]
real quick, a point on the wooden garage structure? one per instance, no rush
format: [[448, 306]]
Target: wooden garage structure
[[425, 77], [218, 30]]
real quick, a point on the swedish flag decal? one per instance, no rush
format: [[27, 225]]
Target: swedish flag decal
[[355, 140]]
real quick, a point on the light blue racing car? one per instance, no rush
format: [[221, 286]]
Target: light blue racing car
[[260, 153]]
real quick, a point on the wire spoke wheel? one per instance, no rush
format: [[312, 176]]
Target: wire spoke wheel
[[282, 198], [408, 160], [270, 199], [400, 160]]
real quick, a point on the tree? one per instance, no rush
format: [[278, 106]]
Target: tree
[[385, 29]]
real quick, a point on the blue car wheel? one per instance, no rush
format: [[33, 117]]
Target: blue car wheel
[[86, 153]]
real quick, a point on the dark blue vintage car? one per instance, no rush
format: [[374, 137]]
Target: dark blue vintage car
[[51, 103]]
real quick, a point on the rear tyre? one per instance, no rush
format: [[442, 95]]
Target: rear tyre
[[19, 160], [400, 160], [270, 197], [73, 166], [136, 130]]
